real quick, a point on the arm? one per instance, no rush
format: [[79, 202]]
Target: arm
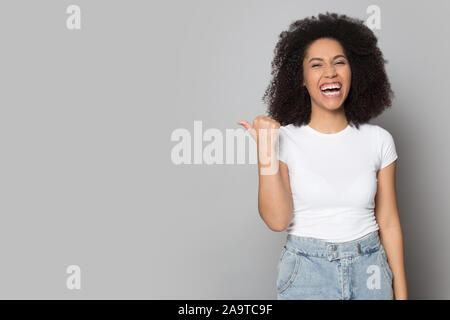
[[275, 198], [275, 204], [386, 214]]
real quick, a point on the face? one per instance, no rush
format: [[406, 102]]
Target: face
[[326, 62]]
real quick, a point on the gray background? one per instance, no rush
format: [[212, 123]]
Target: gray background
[[86, 116]]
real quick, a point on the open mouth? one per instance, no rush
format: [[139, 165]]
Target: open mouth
[[331, 90]]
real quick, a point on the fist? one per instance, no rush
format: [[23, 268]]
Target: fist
[[261, 122], [265, 132]]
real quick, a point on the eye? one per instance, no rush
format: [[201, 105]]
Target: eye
[[339, 62]]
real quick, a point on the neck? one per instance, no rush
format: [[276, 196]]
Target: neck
[[328, 121]]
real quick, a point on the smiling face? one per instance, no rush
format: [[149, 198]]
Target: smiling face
[[326, 63]]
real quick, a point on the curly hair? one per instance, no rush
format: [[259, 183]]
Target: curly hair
[[370, 91]]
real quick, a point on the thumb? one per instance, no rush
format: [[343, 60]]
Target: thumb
[[249, 128], [244, 123]]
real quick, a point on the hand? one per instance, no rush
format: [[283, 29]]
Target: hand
[[260, 122], [263, 128]]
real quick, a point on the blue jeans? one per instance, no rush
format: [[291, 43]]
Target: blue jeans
[[314, 269]]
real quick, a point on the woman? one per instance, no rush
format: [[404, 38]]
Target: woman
[[334, 191]]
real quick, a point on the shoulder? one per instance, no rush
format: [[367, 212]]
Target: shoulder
[[376, 131], [368, 127], [289, 130], [383, 134], [379, 128]]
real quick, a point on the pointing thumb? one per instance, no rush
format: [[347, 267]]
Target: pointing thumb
[[248, 127]]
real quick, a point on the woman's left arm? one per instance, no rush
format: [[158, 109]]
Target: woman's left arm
[[386, 214]]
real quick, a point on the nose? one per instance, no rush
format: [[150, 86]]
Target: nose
[[330, 72]]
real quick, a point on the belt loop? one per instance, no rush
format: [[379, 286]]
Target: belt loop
[[359, 248]]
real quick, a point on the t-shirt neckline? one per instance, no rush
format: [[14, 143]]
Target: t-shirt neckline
[[321, 134]]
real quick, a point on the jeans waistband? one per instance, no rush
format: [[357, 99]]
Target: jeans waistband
[[333, 250]]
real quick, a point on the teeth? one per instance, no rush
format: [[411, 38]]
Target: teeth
[[331, 93], [334, 86]]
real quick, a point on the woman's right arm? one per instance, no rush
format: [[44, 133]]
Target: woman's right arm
[[275, 204]]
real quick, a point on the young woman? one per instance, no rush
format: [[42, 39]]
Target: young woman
[[334, 191]]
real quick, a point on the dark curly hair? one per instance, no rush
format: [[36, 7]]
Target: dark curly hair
[[370, 91]]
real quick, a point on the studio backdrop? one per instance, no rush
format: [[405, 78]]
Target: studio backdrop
[[122, 173]]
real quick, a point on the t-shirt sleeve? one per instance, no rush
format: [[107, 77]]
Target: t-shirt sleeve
[[282, 145], [387, 151]]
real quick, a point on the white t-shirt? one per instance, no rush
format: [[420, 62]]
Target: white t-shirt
[[333, 178]]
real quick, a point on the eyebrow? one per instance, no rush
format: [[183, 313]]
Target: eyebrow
[[335, 57]]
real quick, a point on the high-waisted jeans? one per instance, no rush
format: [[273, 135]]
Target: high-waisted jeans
[[316, 269]]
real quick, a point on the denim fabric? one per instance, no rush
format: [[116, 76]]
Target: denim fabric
[[314, 269]]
